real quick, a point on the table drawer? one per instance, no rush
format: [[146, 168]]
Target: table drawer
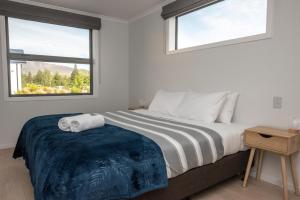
[[267, 142]]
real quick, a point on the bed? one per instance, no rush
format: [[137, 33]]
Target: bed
[[201, 178], [177, 158], [198, 179]]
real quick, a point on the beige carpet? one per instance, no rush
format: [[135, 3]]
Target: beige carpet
[[15, 185]]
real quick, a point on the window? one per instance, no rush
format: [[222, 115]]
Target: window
[[226, 22], [48, 60]]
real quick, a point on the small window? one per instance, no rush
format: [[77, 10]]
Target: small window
[[48, 60], [226, 22]]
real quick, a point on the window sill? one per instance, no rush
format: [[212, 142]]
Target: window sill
[[50, 98], [253, 38]]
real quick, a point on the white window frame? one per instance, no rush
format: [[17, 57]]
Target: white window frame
[[96, 67], [170, 35]]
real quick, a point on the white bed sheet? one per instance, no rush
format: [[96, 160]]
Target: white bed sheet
[[232, 134]]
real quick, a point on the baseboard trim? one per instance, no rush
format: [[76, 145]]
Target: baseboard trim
[[7, 146], [278, 182], [275, 181]]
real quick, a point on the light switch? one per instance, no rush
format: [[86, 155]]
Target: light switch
[[277, 102]]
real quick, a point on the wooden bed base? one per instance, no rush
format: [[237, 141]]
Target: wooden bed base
[[201, 178]]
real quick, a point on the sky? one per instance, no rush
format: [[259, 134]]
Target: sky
[[226, 20], [48, 39]]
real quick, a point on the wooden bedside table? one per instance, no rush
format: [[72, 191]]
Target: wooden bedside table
[[281, 142], [137, 107]]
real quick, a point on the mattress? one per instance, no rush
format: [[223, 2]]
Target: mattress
[[215, 140]]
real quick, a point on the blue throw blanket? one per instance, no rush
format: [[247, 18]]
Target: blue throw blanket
[[99, 164]]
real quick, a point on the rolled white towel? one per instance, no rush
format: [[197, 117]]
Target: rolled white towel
[[64, 124], [87, 121]]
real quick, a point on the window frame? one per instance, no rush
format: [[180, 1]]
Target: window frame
[[94, 70], [7, 56], [171, 34]]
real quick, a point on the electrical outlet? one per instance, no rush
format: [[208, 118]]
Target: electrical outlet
[[277, 102]]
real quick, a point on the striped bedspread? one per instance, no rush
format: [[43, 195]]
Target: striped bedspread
[[184, 146]]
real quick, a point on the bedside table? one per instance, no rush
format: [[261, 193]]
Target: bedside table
[[136, 107], [281, 142]]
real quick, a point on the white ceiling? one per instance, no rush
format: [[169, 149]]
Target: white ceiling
[[123, 9]]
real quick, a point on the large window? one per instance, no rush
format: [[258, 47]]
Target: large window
[[48, 60], [226, 22]]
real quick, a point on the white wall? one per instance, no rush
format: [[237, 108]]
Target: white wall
[[113, 89], [258, 70]]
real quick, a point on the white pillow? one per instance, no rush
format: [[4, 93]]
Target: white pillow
[[201, 107], [227, 111], [166, 102]]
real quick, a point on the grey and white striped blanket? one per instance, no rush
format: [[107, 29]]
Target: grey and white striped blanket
[[184, 146]]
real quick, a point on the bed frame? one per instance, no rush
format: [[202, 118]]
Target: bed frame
[[201, 178]]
